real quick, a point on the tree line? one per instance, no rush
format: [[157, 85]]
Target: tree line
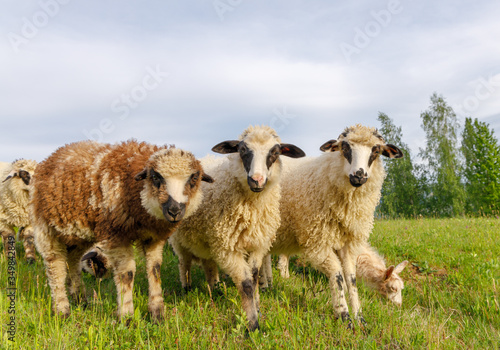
[[456, 173]]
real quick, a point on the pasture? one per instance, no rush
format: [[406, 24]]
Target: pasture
[[450, 301]]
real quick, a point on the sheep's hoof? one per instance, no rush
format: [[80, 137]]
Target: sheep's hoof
[[30, 261], [187, 289], [63, 314], [157, 313], [346, 318], [252, 327], [80, 299]]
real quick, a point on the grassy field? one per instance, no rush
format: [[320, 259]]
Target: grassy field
[[450, 301]]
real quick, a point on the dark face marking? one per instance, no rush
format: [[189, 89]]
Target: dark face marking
[[339, 280], [374, 155], [71, 248], [156, 178], [247, 287], [273, 155], [25, 176], [347, 151], [246, 156], [193, 180]]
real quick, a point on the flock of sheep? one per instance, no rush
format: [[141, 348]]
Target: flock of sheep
[[88, 204]]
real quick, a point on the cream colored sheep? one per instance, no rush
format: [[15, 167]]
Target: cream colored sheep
[[238, 219], [114, 195], [15, 182], [371, 268], [327, 208]]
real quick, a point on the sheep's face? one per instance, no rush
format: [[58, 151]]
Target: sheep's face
[[22, 172], [259, 151], [393, 284], [360, 147], [173, 179]]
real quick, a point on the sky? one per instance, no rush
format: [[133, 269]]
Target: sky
[[197, 72]]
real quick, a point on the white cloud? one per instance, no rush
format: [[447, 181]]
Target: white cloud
[[225, 75]]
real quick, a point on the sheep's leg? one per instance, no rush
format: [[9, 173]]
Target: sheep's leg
[[74, 255], [255, 262], [9, 243], [246, 281], [26, 235], [54, 254], [122, 261], [211, 272], [154, 256], [266, 273], [349, 266], [328, 262], [283, 263], [185, 261]]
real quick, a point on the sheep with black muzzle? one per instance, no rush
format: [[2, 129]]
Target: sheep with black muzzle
[[327, 209], [237, 221], [15, 182], [114, 195]]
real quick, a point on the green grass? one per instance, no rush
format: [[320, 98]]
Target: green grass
[[450, 301]]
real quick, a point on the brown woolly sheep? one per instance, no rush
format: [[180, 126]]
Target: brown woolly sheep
[[15, 183], [115, 195]]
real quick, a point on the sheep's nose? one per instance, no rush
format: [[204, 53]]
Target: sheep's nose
[[259, 179], [358, 178], [173, 210], [360, 173], [257, 183]]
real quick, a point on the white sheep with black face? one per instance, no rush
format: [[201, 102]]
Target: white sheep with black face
[[327, 209], [15, 180], [237, 221]]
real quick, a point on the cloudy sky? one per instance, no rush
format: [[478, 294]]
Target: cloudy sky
[[197, 72]]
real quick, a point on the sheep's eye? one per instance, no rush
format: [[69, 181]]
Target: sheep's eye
[[243, 150], [156, 179], [194, 179]]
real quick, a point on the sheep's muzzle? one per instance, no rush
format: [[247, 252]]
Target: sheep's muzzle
[[255, 186], [357, 180], [173, 210]]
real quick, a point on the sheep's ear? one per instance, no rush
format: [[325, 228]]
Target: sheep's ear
[[330, 146], [391, 151], [25, 176], [12, 174], [400, 267], [388, 272], [291, 151], [207, 178], [226, 147], [89, 255], [142, 175]]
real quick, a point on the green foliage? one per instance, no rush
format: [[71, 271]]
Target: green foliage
[[450, 301], [482, 167], [400, 192], [446, 194]]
